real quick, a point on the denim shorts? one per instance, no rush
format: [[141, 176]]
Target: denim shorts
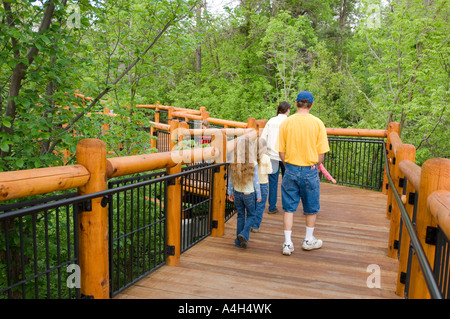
[[301, 182]]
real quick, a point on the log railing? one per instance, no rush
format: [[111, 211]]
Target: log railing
[[418, 207], [90, 176], [93, 169]]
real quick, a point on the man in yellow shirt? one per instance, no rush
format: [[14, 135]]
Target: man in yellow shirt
[[302, 143]]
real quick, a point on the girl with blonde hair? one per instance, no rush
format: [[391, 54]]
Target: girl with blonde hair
[[243, 188]]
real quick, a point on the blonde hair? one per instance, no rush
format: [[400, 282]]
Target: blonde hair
[[205, 123], [242, 168]]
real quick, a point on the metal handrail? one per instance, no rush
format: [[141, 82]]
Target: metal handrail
[[424, 264], [87, 197]]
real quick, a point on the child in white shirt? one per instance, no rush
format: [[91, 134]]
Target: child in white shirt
[[264, 169]]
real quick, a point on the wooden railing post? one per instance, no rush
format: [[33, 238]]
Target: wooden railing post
[[219, 193], [405, 152], [153, 129], [153, 136], [170, 110], [392, 127], [93, 223], [173, 204], [435, 175], [251, 123], [157, 112], [204, 114], [402, 152], [260, 124]]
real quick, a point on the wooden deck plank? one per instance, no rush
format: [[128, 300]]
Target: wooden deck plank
[[353, 225]]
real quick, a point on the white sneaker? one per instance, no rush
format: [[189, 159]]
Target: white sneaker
[[288, 249], [312, 244]]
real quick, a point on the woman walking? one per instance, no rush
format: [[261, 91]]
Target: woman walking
[[270, 134]]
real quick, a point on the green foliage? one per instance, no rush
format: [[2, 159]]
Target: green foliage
[[240, 64], [402, 66], [40, 118], [288, 46], [366, 62]]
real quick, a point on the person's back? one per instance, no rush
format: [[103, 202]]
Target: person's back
[[270, 134], [302, 142], [304, 137]]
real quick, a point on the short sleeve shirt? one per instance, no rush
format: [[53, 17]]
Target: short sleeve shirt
[[302, 138]]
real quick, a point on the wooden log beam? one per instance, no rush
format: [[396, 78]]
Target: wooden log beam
[[396, 141], [411, 171], [17, 184], [160, 126], [438, 204], [357, 132], [120, 166], [226, 122]]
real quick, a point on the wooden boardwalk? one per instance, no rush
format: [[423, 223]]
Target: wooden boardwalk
[[352, 224]]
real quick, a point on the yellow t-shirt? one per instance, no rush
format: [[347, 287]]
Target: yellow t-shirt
[[302, 137]]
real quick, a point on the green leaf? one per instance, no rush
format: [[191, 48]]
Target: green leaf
[[19, 163], [4, 147], [45, 39]]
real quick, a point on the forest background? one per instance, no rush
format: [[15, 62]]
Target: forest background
[[366, 62]]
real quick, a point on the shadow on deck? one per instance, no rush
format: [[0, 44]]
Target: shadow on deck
[[355, 231]]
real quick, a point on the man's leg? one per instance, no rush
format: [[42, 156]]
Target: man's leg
[[290, 198], [288, 221], [311, 205], [310, 224], [310, 241], [311, 220]]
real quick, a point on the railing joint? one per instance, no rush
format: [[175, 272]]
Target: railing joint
[[431, 235], [171, 250], [105, 200], [396, 244], [411, 198], [85, 206], [403, 277]]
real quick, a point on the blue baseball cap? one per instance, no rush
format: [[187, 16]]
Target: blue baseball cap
[[305, 95]]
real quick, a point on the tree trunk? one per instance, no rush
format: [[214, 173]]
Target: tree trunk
[[20, 69], [198, 50]]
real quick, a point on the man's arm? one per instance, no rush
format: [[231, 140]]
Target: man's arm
[[282, 156], [321, 158]]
